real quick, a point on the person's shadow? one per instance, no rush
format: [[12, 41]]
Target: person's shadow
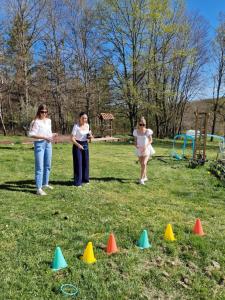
[[108, 179], [28, 186]]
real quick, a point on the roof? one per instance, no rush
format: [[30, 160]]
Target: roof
[[106, 116]]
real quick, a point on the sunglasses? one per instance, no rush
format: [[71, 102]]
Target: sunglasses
[[43, 111], [142, 124]]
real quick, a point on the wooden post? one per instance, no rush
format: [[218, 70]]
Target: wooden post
[[1, 118], [196, 135], [111, 128]]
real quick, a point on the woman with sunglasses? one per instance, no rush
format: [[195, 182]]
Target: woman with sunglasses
[[41, 130], [80, 135], [144, 149]]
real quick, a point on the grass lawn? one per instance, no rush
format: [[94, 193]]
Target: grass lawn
[[31, 227]]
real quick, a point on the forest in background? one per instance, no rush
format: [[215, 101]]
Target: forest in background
[[127, 57]]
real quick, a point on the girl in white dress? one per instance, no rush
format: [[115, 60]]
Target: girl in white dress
[[144, 149]]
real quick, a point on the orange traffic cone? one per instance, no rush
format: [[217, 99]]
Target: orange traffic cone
[[111, 245], [198, 228]]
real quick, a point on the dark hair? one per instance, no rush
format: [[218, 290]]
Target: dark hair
[[40, 108], [82, 113]]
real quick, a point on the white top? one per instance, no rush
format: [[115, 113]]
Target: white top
[[142, 139], [40, 127], [80, 135]]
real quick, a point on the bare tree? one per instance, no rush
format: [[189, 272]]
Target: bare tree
[[23, 33], [84, 42], [218, 55], [54, 62], [176, 55], [123, 29]]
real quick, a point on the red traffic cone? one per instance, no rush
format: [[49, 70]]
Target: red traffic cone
[[198, 228], [111, 245]]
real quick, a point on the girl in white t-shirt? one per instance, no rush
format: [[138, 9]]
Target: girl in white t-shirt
[[144, 149], [41, 131], [81, 134]]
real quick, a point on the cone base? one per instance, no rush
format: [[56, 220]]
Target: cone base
[[88, 262], [112, 252], [199, 234], [54, 270], [170, 240], [144, 247]]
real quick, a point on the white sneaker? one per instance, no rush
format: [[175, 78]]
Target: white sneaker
[[141, 181], [145, 179], [47, 186], [41, 192]]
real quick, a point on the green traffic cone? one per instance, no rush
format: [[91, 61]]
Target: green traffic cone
[[143, 242], [59, 261]]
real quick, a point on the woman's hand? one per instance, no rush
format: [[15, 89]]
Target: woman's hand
[[49, 139], [143, 149], [80, 147], [54, 137], [90, 136]]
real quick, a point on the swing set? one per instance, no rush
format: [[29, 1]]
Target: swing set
[[194, 142]]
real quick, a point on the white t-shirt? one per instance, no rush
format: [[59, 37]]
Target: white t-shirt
[[142, 139], [40, 127], [80, 135]]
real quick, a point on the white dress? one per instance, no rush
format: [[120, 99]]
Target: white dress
[[40, 127], [142, 141]]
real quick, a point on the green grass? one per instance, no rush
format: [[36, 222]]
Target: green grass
[[31, 227]]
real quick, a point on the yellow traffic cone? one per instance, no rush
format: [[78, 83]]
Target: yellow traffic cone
[[88, 256], [169, 236]]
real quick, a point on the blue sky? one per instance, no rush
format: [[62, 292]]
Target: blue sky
[[210, 10]]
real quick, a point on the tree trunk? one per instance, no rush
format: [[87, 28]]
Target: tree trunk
[[2, 121]]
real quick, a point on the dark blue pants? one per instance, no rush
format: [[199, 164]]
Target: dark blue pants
[[81, 164]]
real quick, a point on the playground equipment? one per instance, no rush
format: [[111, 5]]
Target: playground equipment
[[201, 123], [217, 167], [198, 139], [221, 153], [186, 138]]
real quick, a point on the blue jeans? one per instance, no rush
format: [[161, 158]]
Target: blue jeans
[[43, 158]]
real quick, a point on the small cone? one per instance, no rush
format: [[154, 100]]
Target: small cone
[[143, 242], [198, 228], [111, 245], [58, 260], [88, 256], [169, 236]]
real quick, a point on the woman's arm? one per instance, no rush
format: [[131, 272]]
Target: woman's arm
[[41, 137], [76, 143], [33, 133], [135, 142], [150, 139]]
